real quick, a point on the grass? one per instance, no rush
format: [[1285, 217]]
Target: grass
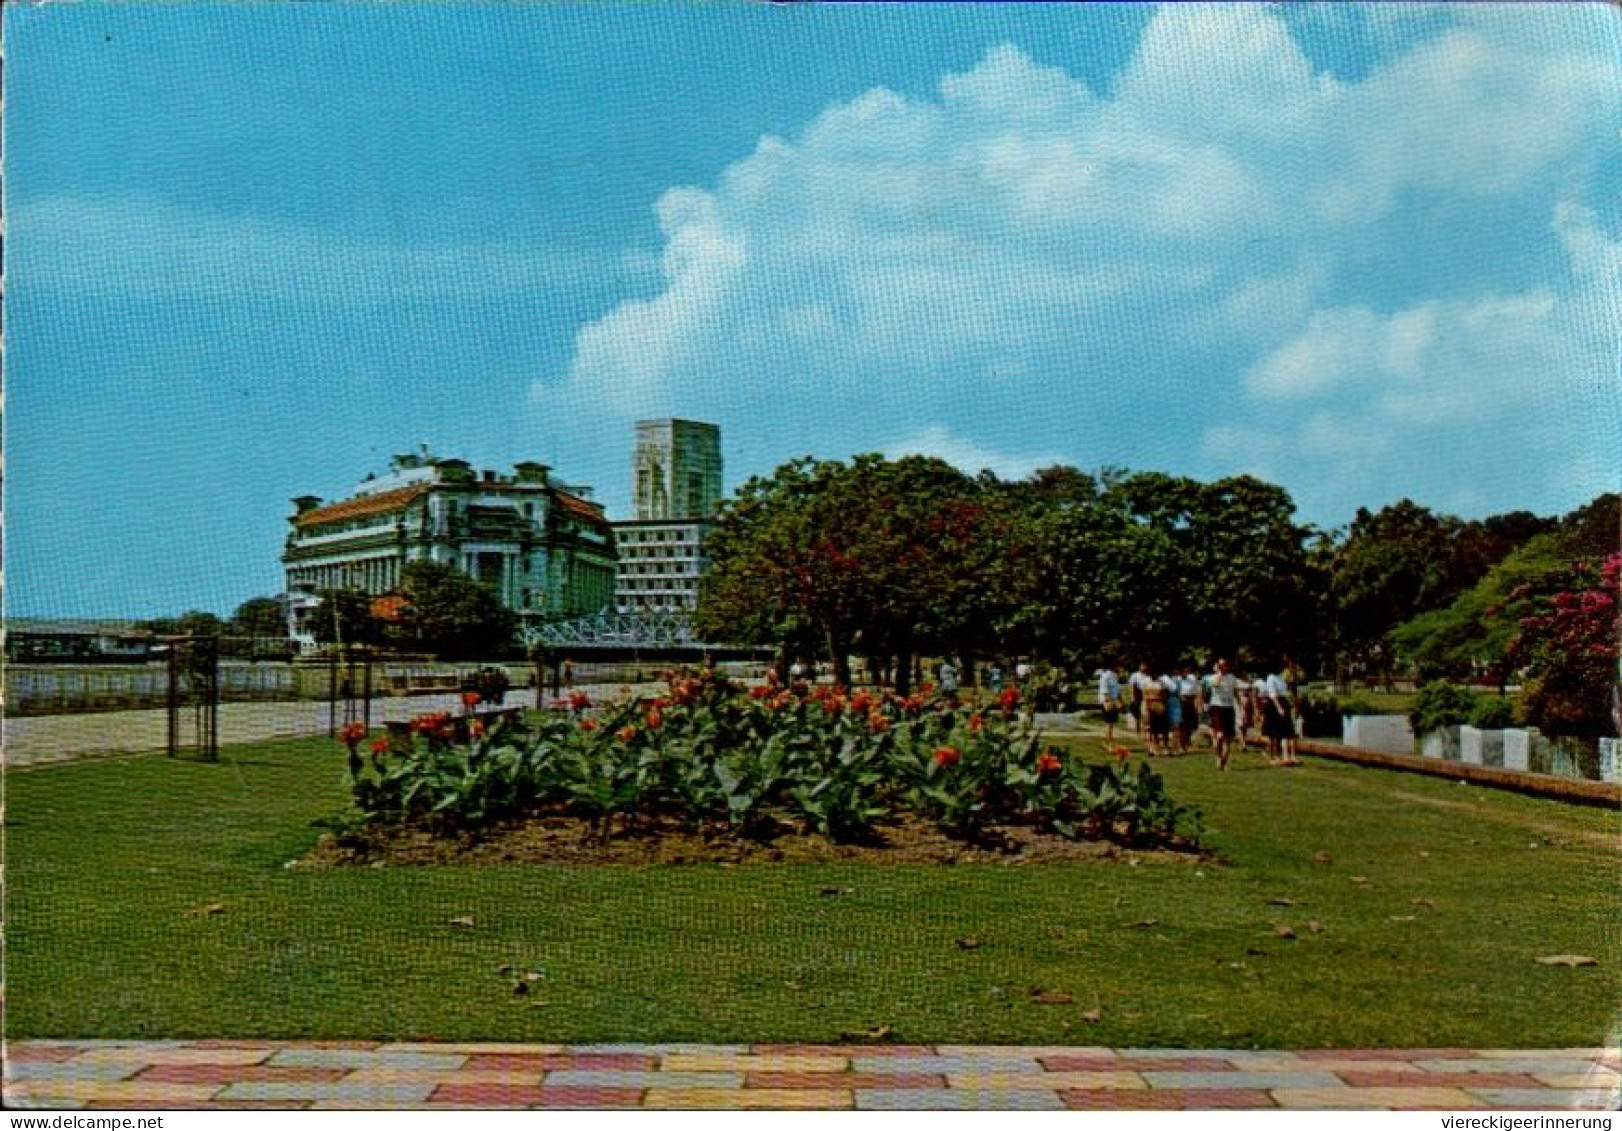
[[114, 865]]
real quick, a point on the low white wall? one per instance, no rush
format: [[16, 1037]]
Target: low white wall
[[1389, 734], [1481, 747]]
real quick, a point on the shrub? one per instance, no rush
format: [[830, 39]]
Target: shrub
[[1358, 705], [1320, 714], [715, 756], [1493, 712], [1440, 704]]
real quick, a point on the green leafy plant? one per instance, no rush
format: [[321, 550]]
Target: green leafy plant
[[1440, 704]]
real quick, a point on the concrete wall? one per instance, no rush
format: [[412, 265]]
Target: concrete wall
[[1387, 733]]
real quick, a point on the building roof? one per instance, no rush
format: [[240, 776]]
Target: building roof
[[380, 503], [582, 509]]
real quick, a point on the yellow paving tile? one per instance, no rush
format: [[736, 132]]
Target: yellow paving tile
[[781, 1099], [475, 1048], [437, 1076], [1350, 1064], [111, 1091], [994, 1081], [752, 1062], [148, 1054], [1394, 1099]]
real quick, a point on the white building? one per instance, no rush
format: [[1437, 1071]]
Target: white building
[[545, 548]]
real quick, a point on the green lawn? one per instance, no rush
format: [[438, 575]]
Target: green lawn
[[112, 864]]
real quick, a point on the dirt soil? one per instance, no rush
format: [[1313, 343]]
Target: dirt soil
[[563, 840]]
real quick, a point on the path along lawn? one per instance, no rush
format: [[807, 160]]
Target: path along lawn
[[150, 898]]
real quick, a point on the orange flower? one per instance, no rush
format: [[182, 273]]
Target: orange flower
[[975, 723], [1048, 763], [579, 700], [627, 733], [878, 722], [470, 699], [588, 724], [476, 728], [350, 734], [380, 744], [946, 756], [654, 719], [1121, 753]]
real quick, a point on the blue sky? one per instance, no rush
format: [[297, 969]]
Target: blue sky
[[1366, 252]]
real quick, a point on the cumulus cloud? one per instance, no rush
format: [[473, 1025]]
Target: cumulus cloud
[[967, 456], [1224, 224]]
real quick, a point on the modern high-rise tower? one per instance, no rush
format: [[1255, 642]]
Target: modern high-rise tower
[[677, 468], [676, 487]]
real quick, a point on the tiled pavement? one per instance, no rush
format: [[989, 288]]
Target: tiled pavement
[[360, 1074]]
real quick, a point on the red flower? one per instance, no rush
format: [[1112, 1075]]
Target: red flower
[[878, 722], [861, 701], [1008, 699], [470, 699], [588, 724], [1121, 753], [380, 744], [1048, 763], [975, 723], [946, 756], [654, 719], [476, 728], [627, 733], [579, 700], [760, 692], [350, 734]]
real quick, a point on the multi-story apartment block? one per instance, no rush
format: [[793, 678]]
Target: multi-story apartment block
[[676, 485], [544, 547]]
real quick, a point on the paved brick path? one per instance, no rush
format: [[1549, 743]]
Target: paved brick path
[[360, 1074]]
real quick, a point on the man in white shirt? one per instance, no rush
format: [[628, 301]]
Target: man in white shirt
[[1222, 701]]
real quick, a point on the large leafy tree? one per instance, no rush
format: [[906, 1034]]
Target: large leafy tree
[[196, 622], [344, 616], [1569, 648], [450, 614], [259, 616]]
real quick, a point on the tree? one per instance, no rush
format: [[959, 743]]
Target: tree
[[196, 622], [1569, 646], [260, 616], [450, 614], [344, 616]]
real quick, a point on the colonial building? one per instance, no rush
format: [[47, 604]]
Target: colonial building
[[676, 486], [545, 548]]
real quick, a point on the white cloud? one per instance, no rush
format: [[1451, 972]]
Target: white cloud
[[1226, 225], [967, 456]]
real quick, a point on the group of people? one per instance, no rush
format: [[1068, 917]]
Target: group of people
[[1169, 709]]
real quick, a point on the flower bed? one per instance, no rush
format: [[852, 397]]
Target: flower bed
[[758, 763]]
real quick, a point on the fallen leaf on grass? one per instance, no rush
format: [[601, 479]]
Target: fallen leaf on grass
[[1051, 997], [1147, 923], [1322, 858], [968, 944], [1284, 931], [460, 921], [867, 1036], [1093, 1015], [208, 909], [1281, 901], [791, 985], [1568, 960], [1360, 879], [1401, 918], [836, 891], [1423, 901], [1314, 926]]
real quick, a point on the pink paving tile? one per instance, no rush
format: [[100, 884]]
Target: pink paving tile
[[1136, 1064], [1103, 1099], [233, 1073], [843, 1050], [843, 1080], [49, 1053], [1437, 1079], [532, 1095], [563, 1062], [362, 1046], [1386, 1054]]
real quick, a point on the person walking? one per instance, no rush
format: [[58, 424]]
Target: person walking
[[1188, 713], [1109, 701], [1174, 713], [1223, 705], [1137, 681], [1278, 725], [1153, 716]]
